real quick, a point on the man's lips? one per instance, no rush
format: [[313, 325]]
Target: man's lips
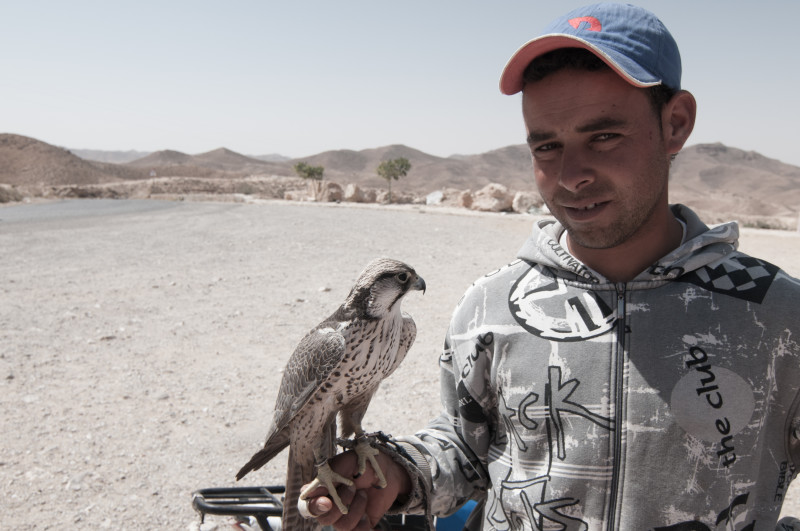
[[585, 210], [586, 206]]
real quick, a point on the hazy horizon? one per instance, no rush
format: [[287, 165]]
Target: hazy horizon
[[297, 79]]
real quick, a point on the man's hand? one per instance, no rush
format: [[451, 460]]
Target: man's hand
[[366, 502]]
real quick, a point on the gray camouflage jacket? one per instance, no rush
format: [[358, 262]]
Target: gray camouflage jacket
[[666, 403]]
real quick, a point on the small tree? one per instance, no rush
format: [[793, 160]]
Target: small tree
[[393, 169], [314, 176], [307, 171]]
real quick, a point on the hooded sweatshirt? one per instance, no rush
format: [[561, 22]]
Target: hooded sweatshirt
[[669, 402]]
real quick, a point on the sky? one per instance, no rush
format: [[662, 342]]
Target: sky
[[298, 78]]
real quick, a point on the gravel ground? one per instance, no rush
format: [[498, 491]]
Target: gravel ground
[[142, 341]]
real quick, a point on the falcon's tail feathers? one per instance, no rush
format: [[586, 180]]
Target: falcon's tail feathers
[[295, 480], [272, 447]]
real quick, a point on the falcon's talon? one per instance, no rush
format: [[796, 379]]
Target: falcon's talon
[[367, 452], [326, 478], [346, 444]]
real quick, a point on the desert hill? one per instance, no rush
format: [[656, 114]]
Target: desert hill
[[117, 157], [712, 178], [217, 163], [509, 166], [158, 159], [226, 160], [725, 179], [26, 161], [121, 157]]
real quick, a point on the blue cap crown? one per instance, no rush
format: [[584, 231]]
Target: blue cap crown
[[631, 40]]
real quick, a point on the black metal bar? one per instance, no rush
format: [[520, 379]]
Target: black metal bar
[[263, 502], [259, 502]]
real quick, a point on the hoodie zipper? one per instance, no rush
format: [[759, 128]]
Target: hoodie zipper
[[618, 404]]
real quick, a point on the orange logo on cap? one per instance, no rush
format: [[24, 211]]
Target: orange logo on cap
[[594, 24]]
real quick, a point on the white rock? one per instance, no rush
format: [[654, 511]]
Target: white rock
[[434, 198], [493, 197]]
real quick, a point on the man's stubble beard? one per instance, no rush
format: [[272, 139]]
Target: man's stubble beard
[[631, 220]]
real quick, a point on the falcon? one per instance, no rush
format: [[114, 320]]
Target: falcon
[[335, 369]]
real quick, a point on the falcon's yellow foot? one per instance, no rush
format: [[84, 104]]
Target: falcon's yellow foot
[[365, 453], [327, 478]]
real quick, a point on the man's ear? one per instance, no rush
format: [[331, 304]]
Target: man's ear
[[677, 120]]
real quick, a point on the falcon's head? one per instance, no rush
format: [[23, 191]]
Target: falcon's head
[[381, 286]]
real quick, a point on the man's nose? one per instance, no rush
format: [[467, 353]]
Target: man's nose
[[576, 172]]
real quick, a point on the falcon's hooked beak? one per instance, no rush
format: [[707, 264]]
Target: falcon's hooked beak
[[419, 284]]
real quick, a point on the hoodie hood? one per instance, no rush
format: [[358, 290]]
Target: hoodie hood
[[702, 246]]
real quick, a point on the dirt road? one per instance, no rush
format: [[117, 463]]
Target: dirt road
[[142, 341]]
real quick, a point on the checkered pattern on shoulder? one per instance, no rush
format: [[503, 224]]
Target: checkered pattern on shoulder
[[743, 277]]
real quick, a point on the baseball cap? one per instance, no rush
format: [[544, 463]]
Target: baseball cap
[[629, 39]]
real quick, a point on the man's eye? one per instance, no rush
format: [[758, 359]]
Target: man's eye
[[606, 136], [545, 147]]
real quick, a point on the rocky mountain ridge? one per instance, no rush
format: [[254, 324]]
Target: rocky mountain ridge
[[713, 178]]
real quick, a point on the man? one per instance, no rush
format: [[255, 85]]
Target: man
[[631, 370]]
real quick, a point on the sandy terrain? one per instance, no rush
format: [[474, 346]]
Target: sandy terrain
[[142, 342]]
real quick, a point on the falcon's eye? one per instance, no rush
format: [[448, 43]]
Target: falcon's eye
[[402, 277]]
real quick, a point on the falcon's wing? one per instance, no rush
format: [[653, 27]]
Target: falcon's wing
[[315, 357], [318, 353], [407, 336]]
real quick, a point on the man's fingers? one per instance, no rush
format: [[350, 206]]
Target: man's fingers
[[360, 498], [303, 509], [319, 491], [355, 513], [316, 507], [325, 510]]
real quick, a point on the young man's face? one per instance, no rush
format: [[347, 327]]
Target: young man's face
[[600, 159]]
